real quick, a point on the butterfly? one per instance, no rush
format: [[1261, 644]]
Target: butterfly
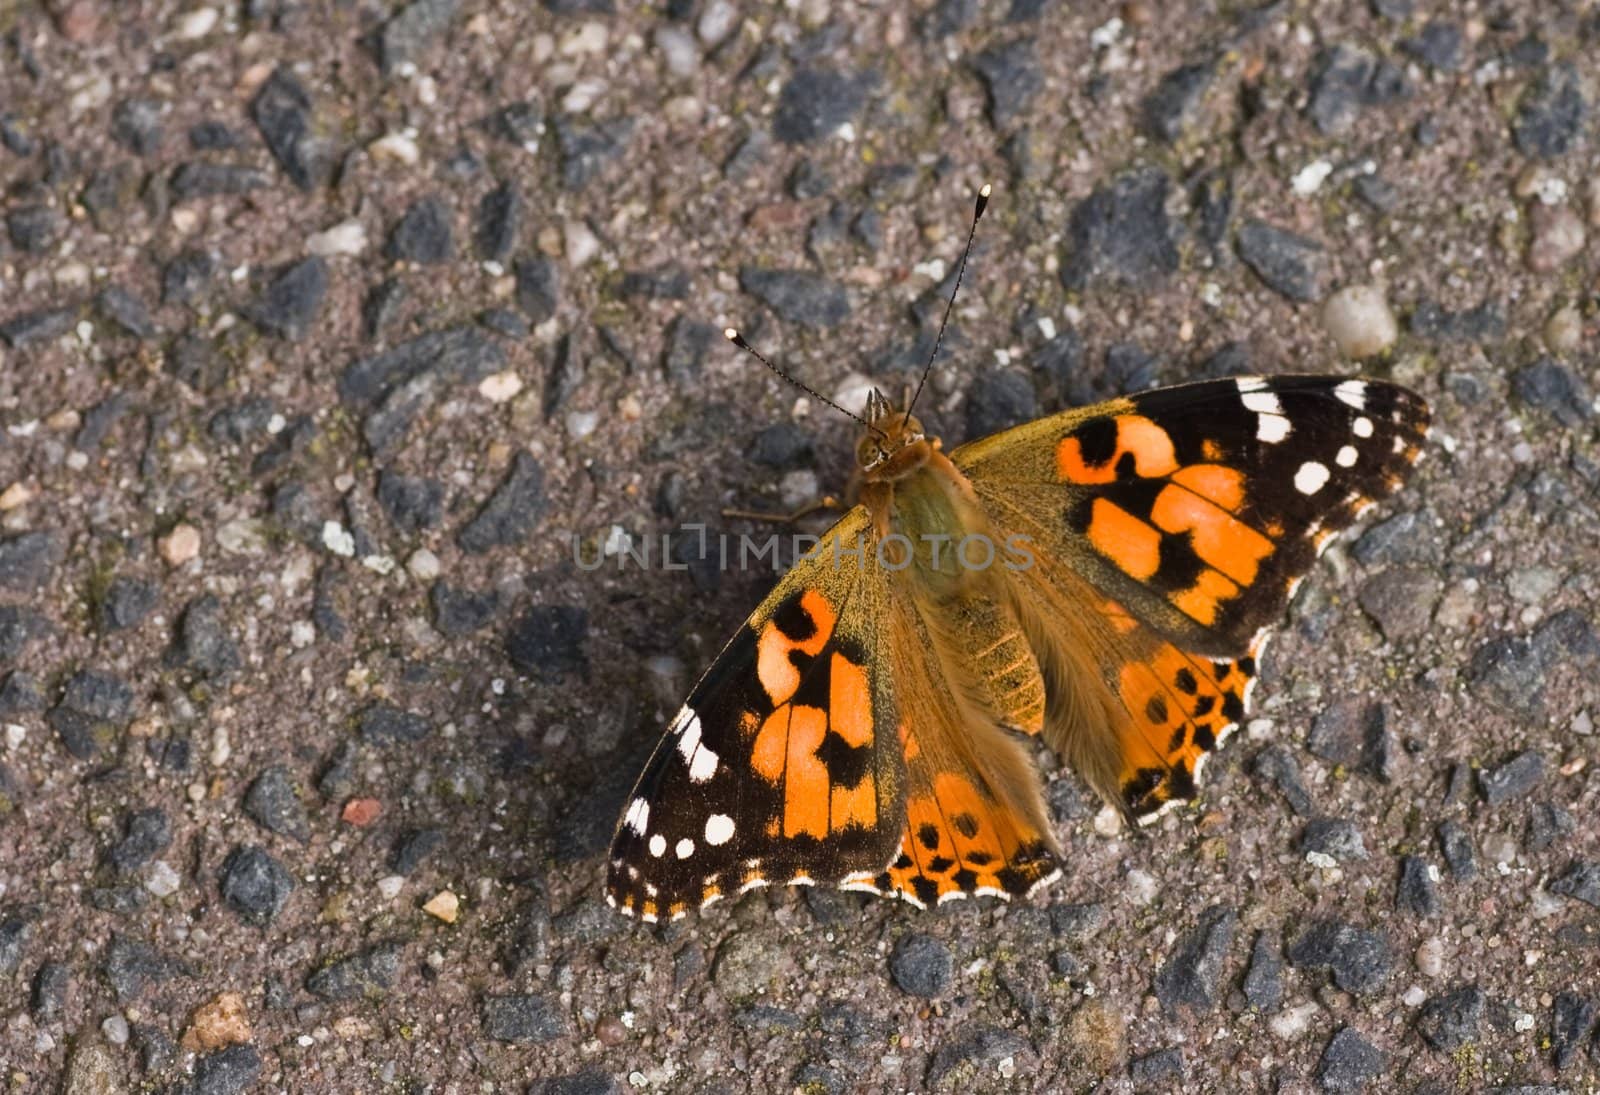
[[1100, 579]]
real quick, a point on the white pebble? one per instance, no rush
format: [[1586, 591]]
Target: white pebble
[[423, 565], [581, 424], [116, 1030], [1293, 1022], [221, 747], [717, 21], [589, 38], [1309, 179], [243, 536], [302, 633], [1563, 331], [583, 95], [1108, 822], [162, 880], [1360, 321], [345, 238], [379, 564], [501, 386], [678, 50], [337, 539], [16, 734], [389, 886], [580, 243], [400, 147], [1430, 957], [1413, 997], [1142, 886]]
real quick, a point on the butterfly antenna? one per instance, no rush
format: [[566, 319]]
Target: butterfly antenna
[[738, 340], [977, 212]]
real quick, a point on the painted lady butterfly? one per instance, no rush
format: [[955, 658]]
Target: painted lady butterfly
[[869, 725]]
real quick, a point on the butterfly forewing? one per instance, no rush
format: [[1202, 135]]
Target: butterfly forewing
[[779, 767]]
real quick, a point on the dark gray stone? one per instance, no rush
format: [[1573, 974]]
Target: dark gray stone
[[201, 179], [1450, 1021], [136, 126], [273, 803], [132, 967], [1011, 74], [1514, 779], [798, 296], [407, 37], [203, 643], [1276, 765], [817, 101], [587, 151], [1290, 264], [290, 304], [525, 1019], [1401, 601], [1416, 892], [982, 1047], [521, 123], [689, 342], [499, 221], [1551, 113], [383, 723], [783, 445], [1483, 322], [1192, 977], [1349, 79], [547, 641], [382, 306], [1121, 233], [669, 282], [242, 422], [282, 112], [1263, 981], [1175, 103], [1162, 1070], [1358, 959], [255, 885], [1572, 1018], [48, 995], [368, 972], [212, 136], [147, 834], [94, 710], [458, 612], [1349, 1063], [922, 965], [1581, 883], [512, 511], [1439, 44], [424, 234], [998, 399], [40, 325], [33, 228], [1552, 387], [1548, 823], [538, 288], [589, 1081], [1455, 843], [19, 626], [186, 276], [16, 929], [413, 505], [1337, 837], [1355, 733], [414, 847], [228, 1071], [126, 311]]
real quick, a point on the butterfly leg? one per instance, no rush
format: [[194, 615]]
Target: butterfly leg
[[826, 502]]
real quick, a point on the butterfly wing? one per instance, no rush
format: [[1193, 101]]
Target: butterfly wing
[[1172, 527], [783, 765]]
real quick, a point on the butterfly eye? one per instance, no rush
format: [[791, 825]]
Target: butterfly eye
[[869, 452]]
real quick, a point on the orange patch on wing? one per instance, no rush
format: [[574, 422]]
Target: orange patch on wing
[[774, 667], [959, 841], [1221, 540], [849, 701], [856, 805], [1124, 539], [1201, 601], [1137, 436], [1215, 482]]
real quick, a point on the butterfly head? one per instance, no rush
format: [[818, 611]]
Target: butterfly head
[[894, 445]]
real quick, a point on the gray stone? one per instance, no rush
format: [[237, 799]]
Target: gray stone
[[1349, 1063], [1192, 976], [526, 1019], [922, 965], [1290, 264], [798, 296], [1450, 1021], [1122, 234]]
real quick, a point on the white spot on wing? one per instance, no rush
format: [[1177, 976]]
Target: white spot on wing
[[1271, 428], [1249, 384], [1362, 427], [1311, 477], [703, 766], [1352, 393], [658, 845], [719, 829], [684, 848], [1262, 402], [687, 727], [638, 816], [1346, 457]]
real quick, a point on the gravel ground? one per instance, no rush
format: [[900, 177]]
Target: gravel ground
[[326, 329]]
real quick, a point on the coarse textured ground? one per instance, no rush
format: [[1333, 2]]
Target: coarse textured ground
[[325, 328]]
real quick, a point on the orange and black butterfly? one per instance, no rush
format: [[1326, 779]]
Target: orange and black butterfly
[[1101, 578]]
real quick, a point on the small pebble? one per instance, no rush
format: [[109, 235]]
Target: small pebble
[[346, 238], [399, 147], [1430, 957], [116, 1030], [500, 387], [221, 1021], [390, 885], [196, 24], [180, 545], [579, 243], [1563, 331], [1360, 321], [361, 812], [162, 880], [1558, 237], [444, 906], [423, 565]]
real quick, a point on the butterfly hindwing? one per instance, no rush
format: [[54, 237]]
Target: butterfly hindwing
[[783, 765]]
